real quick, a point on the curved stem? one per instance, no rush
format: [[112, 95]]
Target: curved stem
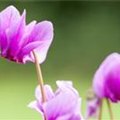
[[109, 109], [100, 110], [40, 79]]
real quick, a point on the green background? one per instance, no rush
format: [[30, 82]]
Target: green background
[[85, 33]]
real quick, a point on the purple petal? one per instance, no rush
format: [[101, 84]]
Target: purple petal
[[112, 83], [59, 106], [48, 91], [56, 107], [14, 35], [28, 30], [65, 85], [92, 108], [26, 53], [35, 105], [8, 17], [64, 117], [98, 83], [43, 33], [77, 115], [100, 76]]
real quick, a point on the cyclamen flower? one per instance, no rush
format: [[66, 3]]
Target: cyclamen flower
[[93, 103], [106, 82], [63, 104], [18, 40]]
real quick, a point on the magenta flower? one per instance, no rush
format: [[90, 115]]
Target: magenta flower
[[18, 40], [64, 104], [106, 81], [93, 104]]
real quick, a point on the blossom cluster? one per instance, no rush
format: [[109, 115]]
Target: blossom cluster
[[20, 43], [63, 104]]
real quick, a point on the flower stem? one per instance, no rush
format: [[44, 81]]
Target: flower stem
[[100, 110], [110, 109], [40, 79]]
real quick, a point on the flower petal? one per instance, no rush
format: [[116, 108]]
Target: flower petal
[[92, 108], [56, 107], [65, 117], [48, 91], [26, 53], [28, 30], [14, 35], [59, 106], [8, 17], [35, 105], [113, 82], [100, 76], [43, 32], [77, 115], [65, 85]]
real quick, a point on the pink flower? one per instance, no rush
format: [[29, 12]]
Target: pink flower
[[93, 104], [18, 40], [63, 104], [106, 80]]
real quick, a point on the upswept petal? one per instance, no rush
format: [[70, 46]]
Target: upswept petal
[[65, 85], [28, 30], [106, 81], [35, 105], [8, 17], [98, 83], [77, 115], [14, 35], [43, 32], [27, 51], [92, 108], [48, 90], [113, 82], [24, 57], [58, 106], [41, 52], [100, 75]]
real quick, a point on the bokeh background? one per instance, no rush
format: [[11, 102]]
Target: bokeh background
[[85, 33]]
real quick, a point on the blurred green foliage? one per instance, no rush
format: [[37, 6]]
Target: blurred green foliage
[[85, 33]]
